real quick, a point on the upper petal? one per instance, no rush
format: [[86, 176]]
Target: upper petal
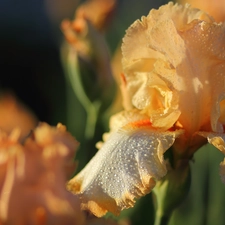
[[138, 47], [185, 49], [204, 74]]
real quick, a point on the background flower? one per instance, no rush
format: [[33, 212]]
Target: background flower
[[33, 177], [14, 114]]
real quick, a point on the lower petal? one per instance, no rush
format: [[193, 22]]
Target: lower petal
[[125, 168]]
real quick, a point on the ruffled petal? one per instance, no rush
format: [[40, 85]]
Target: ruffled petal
[[183, 48], [125, 168], [137, 48]]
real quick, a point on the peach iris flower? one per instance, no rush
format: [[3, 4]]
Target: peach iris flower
[[173, 93]]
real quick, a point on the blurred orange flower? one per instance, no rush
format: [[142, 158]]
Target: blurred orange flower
[[33, 177], [14, 114], [90, 16]]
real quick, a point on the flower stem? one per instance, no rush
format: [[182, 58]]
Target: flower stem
[[161, 219], [170, 191]]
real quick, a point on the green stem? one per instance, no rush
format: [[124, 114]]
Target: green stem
[[91, 108], [170, 191], [161, 219]]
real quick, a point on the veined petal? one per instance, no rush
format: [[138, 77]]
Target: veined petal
[[125, 168]]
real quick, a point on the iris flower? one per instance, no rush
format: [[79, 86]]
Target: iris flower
[[173, 87]]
